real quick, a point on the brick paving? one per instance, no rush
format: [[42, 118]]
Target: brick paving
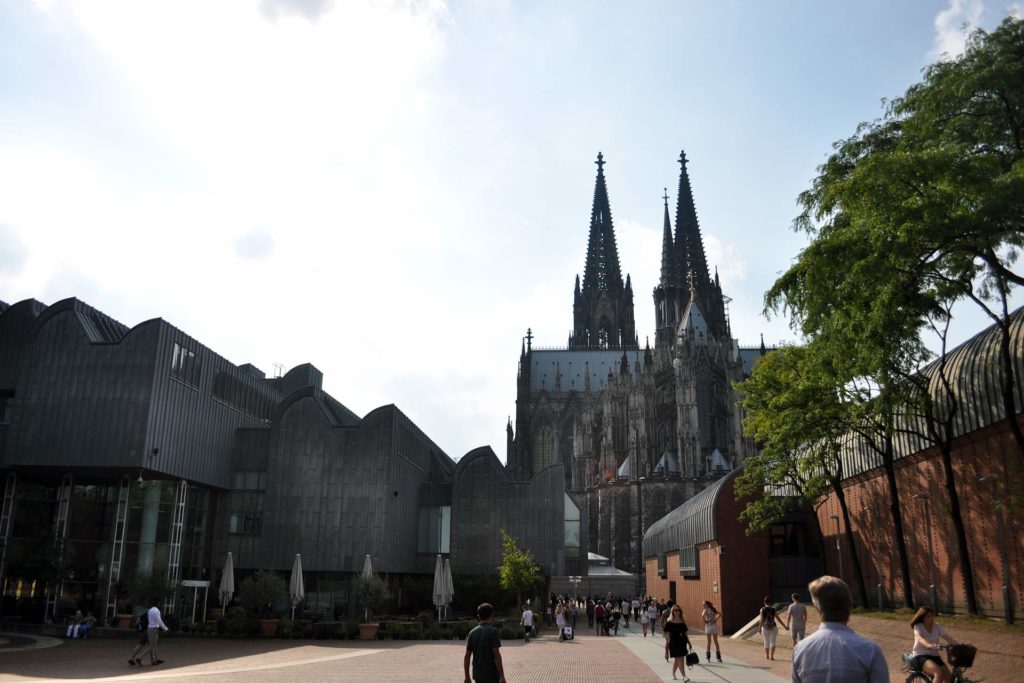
[[207, 660]]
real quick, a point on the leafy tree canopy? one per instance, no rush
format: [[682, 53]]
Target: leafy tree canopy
[[518, 571]]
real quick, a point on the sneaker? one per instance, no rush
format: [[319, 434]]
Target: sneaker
[[132, 661], [159, 661]]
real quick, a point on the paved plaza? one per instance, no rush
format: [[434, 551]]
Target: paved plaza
[[626, 658]]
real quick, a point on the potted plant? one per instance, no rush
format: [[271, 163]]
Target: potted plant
[[260, 594], [373, 594]]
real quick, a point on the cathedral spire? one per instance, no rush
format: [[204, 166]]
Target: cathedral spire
[[602, 272], [689, 243], [603, 305], [668, 270]]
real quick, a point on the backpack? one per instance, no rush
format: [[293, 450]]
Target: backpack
[[768, 617], [142, 622]]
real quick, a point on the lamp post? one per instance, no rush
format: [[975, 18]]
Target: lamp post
[[839, 547], [931, 556], [878, 559], [1007, 600], [575, 582]]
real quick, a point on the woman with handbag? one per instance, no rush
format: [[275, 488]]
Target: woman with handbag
[[677, 643]]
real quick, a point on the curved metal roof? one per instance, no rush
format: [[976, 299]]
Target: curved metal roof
[[691, 523], [976, 374]]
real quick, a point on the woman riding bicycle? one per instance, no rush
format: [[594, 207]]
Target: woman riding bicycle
[[926, 646]]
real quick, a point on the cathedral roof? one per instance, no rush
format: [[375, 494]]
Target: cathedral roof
[[568, 369], [693, 324]]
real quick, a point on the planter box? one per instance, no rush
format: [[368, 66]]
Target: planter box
[[268, 627], [368, 631]]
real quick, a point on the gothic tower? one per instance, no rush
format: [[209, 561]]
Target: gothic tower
[[603, 306]]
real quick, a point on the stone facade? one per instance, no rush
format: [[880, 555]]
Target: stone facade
[[637, 432]]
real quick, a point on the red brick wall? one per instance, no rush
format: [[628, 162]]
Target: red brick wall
[[734, 571], [989, 451]]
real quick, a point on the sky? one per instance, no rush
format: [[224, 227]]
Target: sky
[[395, 190]]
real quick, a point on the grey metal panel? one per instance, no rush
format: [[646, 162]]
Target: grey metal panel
[[573, 366], [485, 500]]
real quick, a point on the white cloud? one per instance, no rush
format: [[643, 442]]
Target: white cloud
[[953, 25], [13, 253], [1016, 10], [256, 244]]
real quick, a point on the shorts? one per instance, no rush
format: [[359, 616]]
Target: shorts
[[800, 631], [711, 629], [917, 661], [769, 635]]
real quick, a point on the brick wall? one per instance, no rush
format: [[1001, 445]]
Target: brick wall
[[986, 452]]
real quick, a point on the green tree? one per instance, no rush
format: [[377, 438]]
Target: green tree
[[914, 212], [262, 593], [150, 588], [518, 571], [796, 413], [373, 594]]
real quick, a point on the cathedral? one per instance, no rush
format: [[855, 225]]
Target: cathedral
[[637, 430]]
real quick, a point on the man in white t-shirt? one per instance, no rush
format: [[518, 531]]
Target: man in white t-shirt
[[797, 619], [527, 622]]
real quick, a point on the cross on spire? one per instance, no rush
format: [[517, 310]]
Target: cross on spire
[[665, 196], [529, 338], [600, 163]]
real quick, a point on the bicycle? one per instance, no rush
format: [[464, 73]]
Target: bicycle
[[959, 657]]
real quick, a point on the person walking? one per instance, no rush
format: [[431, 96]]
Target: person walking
[[598, 618], [712, 619], [573, 613], [645, 620], [677, 642], [834, 653], [624, 609], [797, 619], [527, 622], [154, 624], [652, 614], [483, 649], [590, 612], [769, 621], [560, 622]]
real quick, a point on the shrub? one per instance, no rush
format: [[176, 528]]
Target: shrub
[[285, 628], [352, 629], [322, 631], [262, 592], [234, 623], [433, 634], [510, 632], [426, 618]]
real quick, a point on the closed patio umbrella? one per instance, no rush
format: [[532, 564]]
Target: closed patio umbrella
[[296, 589], [367, 568], [227, 582], [439, 586], [449, 589]]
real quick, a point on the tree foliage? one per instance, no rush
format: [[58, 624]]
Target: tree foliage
[[517, 571], [373, 594], [262, 593]]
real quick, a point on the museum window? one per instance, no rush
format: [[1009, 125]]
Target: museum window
[[572, 528], [435, 529], [185, 365], [245, 524], [689, 562], [6, 401]]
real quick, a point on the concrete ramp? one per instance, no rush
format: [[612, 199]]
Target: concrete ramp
[[748, 629]]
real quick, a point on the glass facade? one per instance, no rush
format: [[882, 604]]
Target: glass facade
[[435, 530], [82, 561], [572, 528]]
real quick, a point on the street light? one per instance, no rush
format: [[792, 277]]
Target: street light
[[931, 556], [839, 548], [1007, 600], [878, 559]]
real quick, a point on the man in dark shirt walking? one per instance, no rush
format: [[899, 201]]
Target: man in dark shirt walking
[[483, 647]]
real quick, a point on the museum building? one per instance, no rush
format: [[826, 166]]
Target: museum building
[[127, 450]]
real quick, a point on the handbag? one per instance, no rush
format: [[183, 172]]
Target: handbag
[[692, 658]]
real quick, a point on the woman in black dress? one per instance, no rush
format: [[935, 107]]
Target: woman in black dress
[[677, 643]]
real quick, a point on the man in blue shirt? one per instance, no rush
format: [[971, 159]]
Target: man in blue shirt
[[834, 653], [483, 646]]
